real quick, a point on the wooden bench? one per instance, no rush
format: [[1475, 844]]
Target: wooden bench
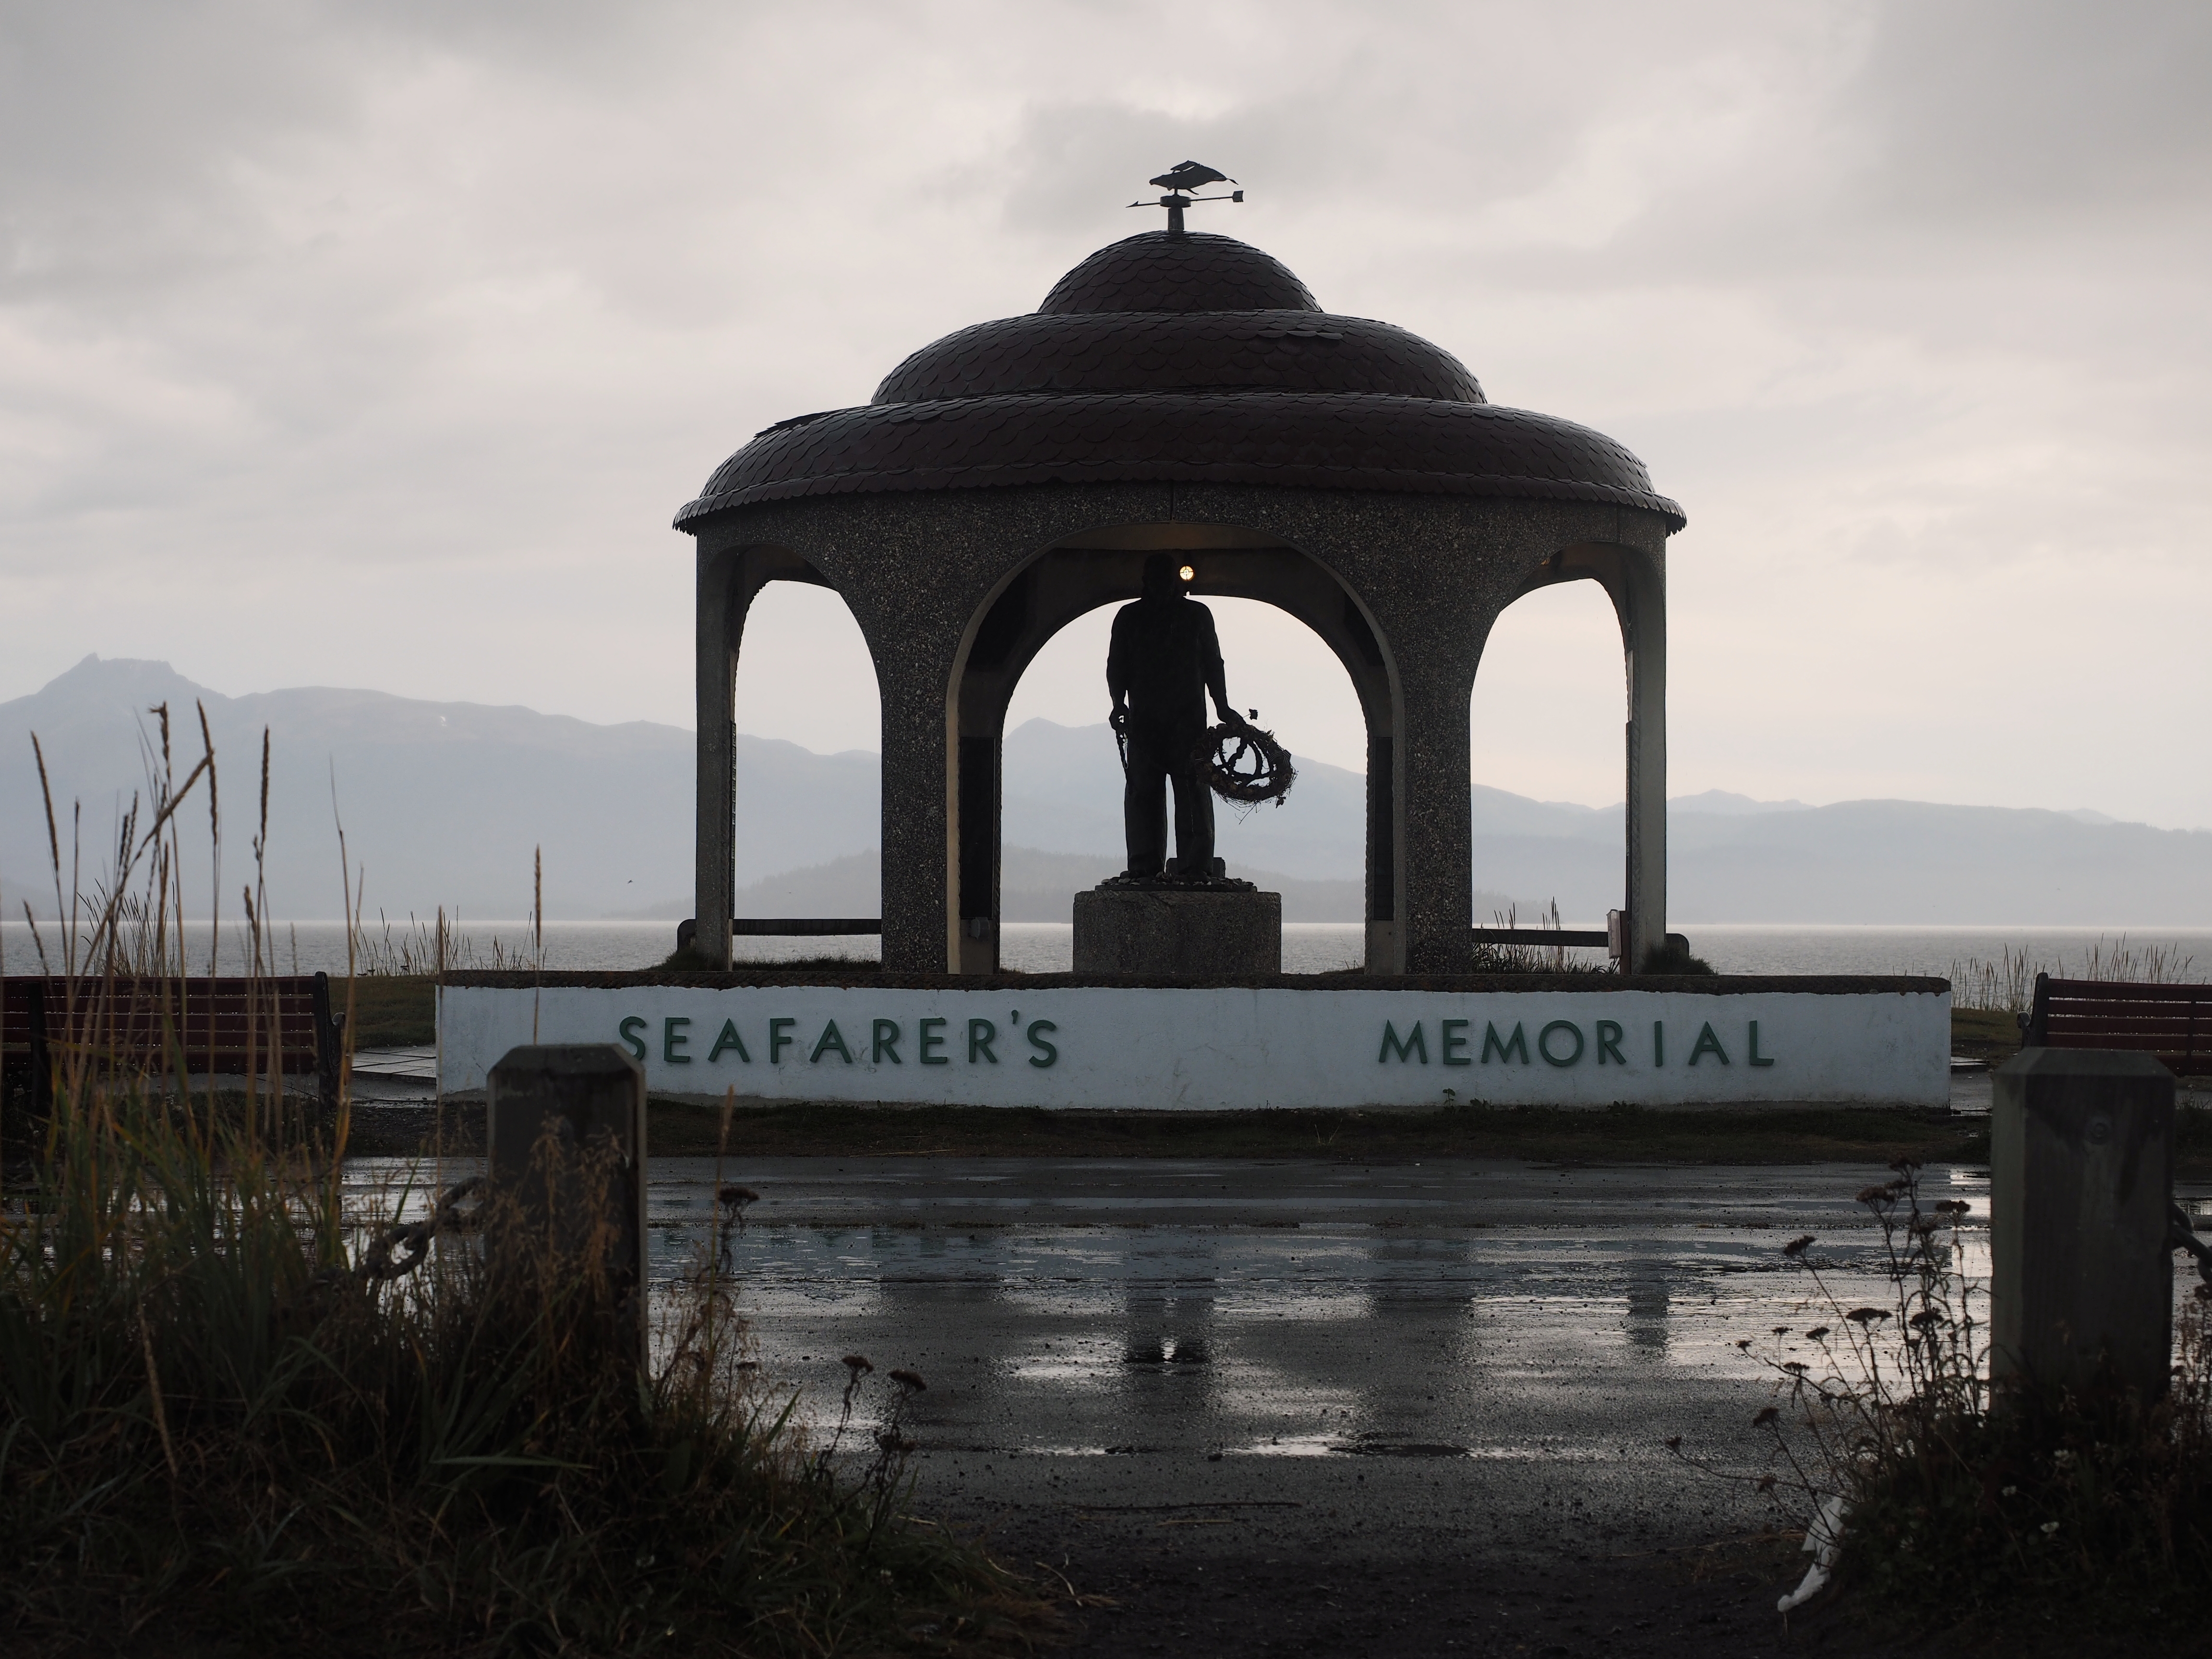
[[2172, 1022], [229, 1027]]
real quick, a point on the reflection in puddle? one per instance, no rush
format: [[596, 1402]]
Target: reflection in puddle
[[1547, 1337]]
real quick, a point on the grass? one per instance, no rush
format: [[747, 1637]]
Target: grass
[[222, 1434], [394, 1011], [1987, 1511], [231, 1422]]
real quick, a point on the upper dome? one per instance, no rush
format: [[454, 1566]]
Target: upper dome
[[1158, 270], [1189, 358]]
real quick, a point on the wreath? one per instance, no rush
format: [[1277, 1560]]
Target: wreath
[[1243, 763]]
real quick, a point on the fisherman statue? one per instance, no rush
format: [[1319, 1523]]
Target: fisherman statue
[[1165, 662]]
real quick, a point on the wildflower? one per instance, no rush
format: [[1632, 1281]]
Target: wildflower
[[1781, 1330], [2063, 1458], [857, 1364], [2009, 1491], [1797, 1246], [1866, 1316], [1817, 1334], [908, 1381], [1743, 1342], [1767, 1414], [738, 1197], [2050, 1527]]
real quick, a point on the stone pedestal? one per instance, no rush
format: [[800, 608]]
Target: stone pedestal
[[1178, 932], [2080, 1187]]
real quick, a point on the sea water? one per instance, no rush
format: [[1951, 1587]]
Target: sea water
[[1043, 947]]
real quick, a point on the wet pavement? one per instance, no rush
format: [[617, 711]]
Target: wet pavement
[[1254, 1400], [1422, 1355], [1281, 1406]]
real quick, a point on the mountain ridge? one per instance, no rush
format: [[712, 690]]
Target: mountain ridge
[[447, 802]]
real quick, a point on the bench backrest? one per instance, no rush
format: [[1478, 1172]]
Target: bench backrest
[[227, 1026], [2173, 1022]]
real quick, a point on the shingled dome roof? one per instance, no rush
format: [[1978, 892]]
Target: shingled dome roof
[[1191, 358]]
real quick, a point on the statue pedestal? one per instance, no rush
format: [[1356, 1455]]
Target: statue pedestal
[[1188, 932]]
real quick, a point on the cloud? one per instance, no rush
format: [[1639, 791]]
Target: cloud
[[376, 345]]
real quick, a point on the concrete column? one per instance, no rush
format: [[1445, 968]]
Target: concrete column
[[1640, 599], [921, 780], [2080, 1184], [718, 615], [1435, 820]]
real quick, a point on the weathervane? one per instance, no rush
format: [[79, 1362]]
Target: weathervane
[[1179, 181]]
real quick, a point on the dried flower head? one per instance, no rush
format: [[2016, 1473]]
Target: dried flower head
[[1799, 1245], [858, 1363], [908, 1381], [1866, 1316], [1767, 1414]]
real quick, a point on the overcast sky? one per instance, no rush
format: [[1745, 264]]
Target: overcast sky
[[376, 345]]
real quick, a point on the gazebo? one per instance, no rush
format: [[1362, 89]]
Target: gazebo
[[1183, 392]]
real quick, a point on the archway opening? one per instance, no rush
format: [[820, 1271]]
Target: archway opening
[[1547, 759], [809, 772], [1060, 821]]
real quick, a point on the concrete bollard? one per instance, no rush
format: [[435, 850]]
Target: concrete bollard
[[2081, 1182], [584, 1104]]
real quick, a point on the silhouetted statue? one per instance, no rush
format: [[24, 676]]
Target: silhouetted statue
[[1165, 660]]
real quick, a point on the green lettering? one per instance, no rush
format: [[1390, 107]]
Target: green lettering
[[981, 1034], [831, 1038], [1608, 1042], [631, 1041], [1451, 1039], [729, 1039], [1049, 1053], [1518, 1044], [671, 1039], [1707, 1043], [1544, 1042], [926, 1039], [1414, 1042], [777, 1042], [887, 1042], [1756, 1058]]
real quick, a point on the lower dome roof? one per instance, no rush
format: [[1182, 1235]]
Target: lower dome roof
[[1343, 440]]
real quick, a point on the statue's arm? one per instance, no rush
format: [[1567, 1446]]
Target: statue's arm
[[1217, 675], [1118, 662]]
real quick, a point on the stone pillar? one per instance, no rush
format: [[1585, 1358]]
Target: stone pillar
[[921, 774], [2080, 1185], [1640, 600], [718, 615], [1435, 821], [564, 1135]]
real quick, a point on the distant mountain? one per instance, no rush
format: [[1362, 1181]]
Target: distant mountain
[[444, 802]]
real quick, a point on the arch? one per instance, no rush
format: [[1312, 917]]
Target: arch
[[1082, 572], [1634, 578], [729, 579]]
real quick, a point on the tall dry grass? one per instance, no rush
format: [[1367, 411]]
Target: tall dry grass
[[231, 1420], [2008, 984]]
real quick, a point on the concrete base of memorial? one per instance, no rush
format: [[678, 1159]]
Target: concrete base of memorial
[[1167, 933], [1281, 1040]]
